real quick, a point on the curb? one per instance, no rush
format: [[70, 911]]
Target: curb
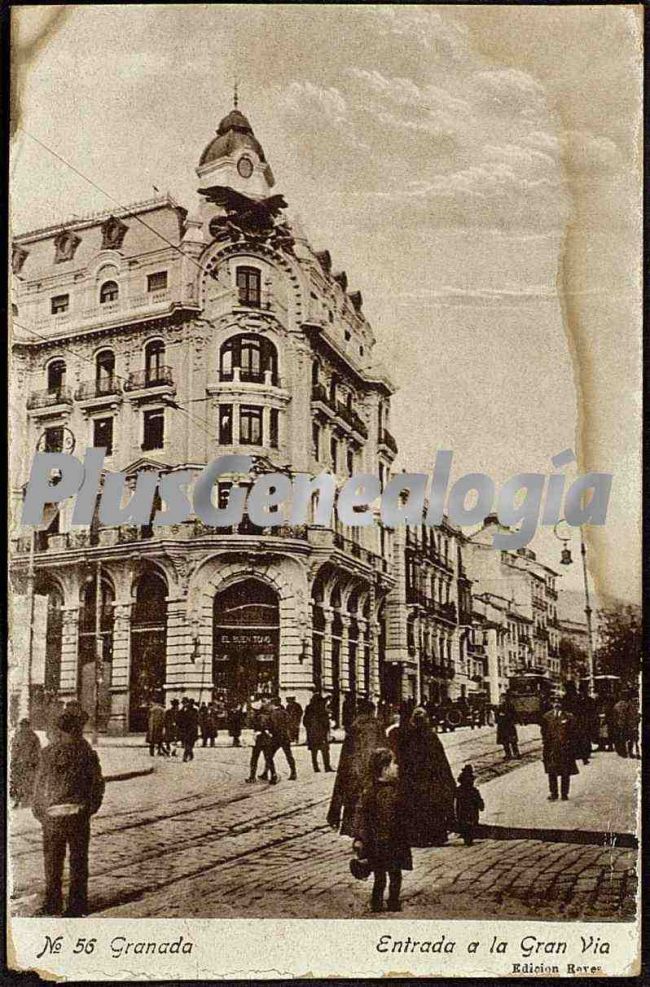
[[582, 836], [125, 775]]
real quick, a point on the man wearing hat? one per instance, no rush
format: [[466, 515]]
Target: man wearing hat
[[294, 713], [558, 748], [68, 790]]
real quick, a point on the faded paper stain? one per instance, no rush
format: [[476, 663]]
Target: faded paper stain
[[32, 30], [599, 276]]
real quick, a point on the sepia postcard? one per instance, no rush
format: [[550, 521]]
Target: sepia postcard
[[325, 491]]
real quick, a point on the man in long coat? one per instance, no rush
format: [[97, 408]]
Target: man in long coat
[[558, 751], [294, 713], [156, 729], [506, 718], [317, 727], [188, 727], [364, 736]]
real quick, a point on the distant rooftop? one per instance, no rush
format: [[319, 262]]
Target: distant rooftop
[[91, 218]]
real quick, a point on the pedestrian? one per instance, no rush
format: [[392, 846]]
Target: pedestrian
[[365, 736], [170, 727], [619, 716], [506, 719], [263, 744], [607, 727], [188, 727], [317, 727], [468, 804], [579, 708], [379, 832], [25, 754], [156, 729], [68, 790], [294, 713], [279, 723], [427, 782], [348, 710], [236, 716], [558, 749], [209, 730]]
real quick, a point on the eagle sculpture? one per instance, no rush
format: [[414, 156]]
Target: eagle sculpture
[[250, 215]]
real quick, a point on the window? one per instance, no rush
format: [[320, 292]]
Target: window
[[103, 434], [225, 424], [157, 281], [154, 429], [315, 371], [315, 438], [108, 292], [274, 426], [154, 358], [250, 425], [54, 439], [333, 391], [350, 461], [348, 335], [249, 284], [59, 304], [333, 453], [104, 371], [252, 356], [56, 376], [223, 492]]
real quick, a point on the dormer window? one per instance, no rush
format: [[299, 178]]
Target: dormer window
[[109, 292], [59, 304], [157, 281], [249, 285]]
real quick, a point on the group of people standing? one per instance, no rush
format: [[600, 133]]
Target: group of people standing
[[394, 790], [184, 723]]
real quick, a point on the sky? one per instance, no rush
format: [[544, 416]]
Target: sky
[[474, 169]]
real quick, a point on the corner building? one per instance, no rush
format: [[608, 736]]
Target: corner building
[[171, 338]]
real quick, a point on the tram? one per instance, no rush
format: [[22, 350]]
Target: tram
[[530, 695]]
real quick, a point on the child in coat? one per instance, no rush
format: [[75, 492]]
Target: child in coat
[[468, 804], [379, 831]]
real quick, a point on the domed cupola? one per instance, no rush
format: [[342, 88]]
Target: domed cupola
[[235, 158]]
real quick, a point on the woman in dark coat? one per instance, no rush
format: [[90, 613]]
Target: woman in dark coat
[[506, 718], [25, 755], [428, 785], [364, 736]]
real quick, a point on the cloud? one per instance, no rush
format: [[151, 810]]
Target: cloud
[[307, 97]]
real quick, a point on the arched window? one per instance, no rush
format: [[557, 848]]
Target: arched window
[[56, 376], [104, 371], [253, 356], [109, 292], [315, 372], [154, 359]]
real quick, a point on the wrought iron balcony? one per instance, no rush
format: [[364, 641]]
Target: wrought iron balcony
[[102, 387], [49, 398], [139, 380], [319, 393], [386, 439]]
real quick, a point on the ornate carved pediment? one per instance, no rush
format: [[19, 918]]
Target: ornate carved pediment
[[113, 233], [65, 246], [18, 257]]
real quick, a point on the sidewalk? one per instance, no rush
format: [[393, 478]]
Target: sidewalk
[[118, 763], [603, 798]]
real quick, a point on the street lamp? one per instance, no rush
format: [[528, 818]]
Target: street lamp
[[565, 559]]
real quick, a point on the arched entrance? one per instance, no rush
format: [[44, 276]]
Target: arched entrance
[[246, 640], [148, 647], [89, 647]]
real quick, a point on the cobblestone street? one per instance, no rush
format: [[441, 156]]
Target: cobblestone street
[[195, 840]]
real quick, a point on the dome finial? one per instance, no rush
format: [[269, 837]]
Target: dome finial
[[235, 97]]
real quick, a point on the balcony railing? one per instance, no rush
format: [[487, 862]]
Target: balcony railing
[[386, 439], [50, 398], [103, 387], [141, 379], [351, 418]]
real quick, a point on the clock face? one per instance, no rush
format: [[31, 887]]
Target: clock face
[[245, 167]]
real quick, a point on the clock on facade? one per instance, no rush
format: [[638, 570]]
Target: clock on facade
[[245, 167]]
